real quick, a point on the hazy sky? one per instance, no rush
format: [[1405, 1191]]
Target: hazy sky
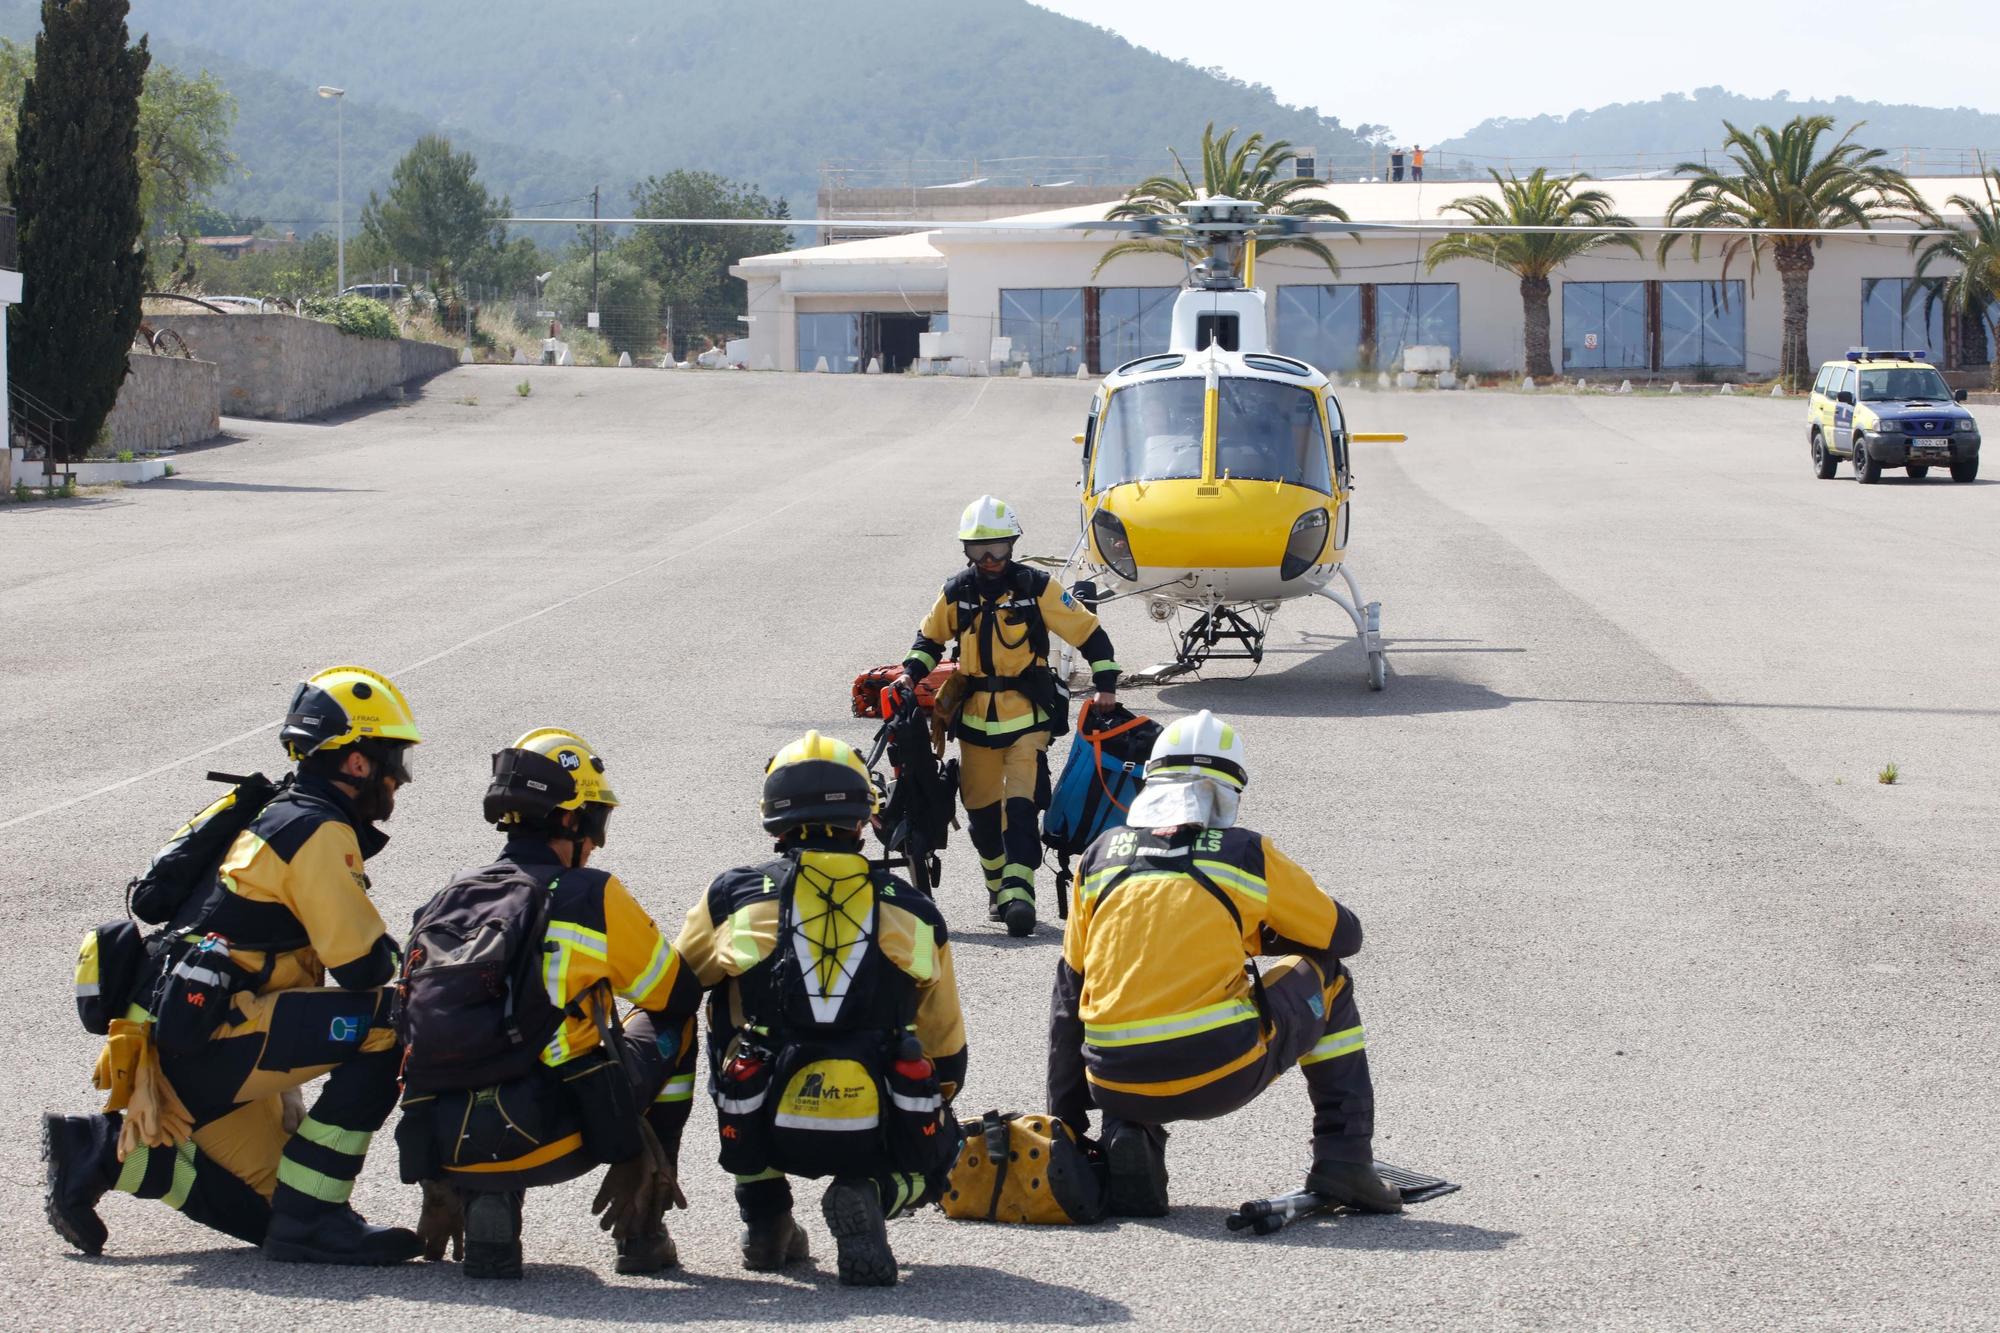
[[1432, 70]]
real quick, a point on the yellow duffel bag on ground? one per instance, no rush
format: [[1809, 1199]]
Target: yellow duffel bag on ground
[[1023, 1168]]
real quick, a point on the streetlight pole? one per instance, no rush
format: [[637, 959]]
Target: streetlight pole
[[339, 96]]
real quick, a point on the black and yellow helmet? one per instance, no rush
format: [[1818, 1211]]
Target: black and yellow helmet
[[817, 780], [343, 706], [547, 771]]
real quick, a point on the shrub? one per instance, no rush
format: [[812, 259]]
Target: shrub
[[358, 315]]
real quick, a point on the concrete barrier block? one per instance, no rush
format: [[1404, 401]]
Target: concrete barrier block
[[1726, 389], [1083, 372], [1025, 372], [821, 368], [465, 355], [1447, 380], [874, 365], [624, 360], [1406, 379], [1676, 387], [1624, 386], [1778, 390], [1527, 383]]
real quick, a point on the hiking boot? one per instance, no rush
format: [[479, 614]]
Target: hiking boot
[[493, 1236], [1020, 918], [80, 1164], [853, 1212], [653, 1252], [1136, 1164], [770, 1243], [1356, 1185], [337, 1235]]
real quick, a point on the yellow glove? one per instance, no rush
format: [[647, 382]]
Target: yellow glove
[[155, 1115], [118, 1062]]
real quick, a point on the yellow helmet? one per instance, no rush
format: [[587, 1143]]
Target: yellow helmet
[[342, 706], [546, 771], [817, 780]]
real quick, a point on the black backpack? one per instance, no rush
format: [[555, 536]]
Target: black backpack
[[189, 860], [473, 1010]]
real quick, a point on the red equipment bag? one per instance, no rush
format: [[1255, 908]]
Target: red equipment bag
[[868, 687]]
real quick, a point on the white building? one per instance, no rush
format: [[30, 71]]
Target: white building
[[1611, 313]]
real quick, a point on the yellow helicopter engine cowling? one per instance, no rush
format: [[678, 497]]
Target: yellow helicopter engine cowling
[[1225, 540]]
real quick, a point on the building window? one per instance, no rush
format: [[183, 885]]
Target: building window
[[1320, 324], [1045, 325], [835, 337], [1415, 314], [1133, 322], [1604, 326], [1701, 325], [1903, 314]]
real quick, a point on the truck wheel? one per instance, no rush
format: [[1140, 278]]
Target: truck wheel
[[1918, 471], [1824, 463], [1965, 469], [1867, 470]]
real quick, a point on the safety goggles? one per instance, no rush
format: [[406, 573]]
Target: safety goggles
[[594, 821], [392, 761], [978, 551]]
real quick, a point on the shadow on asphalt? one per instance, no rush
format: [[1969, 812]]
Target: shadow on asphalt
[[1339, 1231], [1048, 934], [808, 1294], [191, 484], [1332, 685]]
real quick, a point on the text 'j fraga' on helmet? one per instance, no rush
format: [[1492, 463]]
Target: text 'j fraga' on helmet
[[988, 519], [342, 706]]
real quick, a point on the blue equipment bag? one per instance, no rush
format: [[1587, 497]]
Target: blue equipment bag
[[1104, 772]]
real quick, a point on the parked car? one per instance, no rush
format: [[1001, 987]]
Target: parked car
[[386, 292], [1882, 409], [249, 305]]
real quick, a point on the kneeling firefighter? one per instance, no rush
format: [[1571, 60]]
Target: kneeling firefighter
[[1159, 1014], [1000, 615], [517, 1074], [835, 1038], [229, 1011]]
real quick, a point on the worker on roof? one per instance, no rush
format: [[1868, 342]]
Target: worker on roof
[[1159, 1014], [1000, 615]]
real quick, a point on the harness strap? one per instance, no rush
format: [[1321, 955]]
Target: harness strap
[[993, 1128]]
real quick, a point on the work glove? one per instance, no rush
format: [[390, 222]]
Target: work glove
[[637, 1192], [442, 1220], [293, 1112]]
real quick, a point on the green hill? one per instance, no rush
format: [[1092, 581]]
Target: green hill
[[760, 90], [1679, 126]]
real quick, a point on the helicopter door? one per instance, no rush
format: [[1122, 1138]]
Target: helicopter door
[[1149, 431], [1337, 434]]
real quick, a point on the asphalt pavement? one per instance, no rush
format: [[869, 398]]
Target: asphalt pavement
[[1701, 1014]]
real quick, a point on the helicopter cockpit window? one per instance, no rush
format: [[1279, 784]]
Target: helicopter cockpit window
[[1150, 432], [1271, 432]]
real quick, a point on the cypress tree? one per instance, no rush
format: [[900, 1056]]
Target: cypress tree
[[75, 186]]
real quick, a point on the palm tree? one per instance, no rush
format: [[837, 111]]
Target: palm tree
[[1541, 200], [1782, 180], [1975, 289], [1252, 170]]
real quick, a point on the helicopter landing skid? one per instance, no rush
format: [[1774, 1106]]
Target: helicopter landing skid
[[1221, 633], [1367, 618]]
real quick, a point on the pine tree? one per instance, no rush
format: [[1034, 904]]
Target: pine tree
[[75, 186]]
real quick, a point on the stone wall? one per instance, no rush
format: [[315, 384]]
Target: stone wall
[[166, 402], [282, 367]]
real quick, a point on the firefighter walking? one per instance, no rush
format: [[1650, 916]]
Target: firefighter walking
[[1000, 615]]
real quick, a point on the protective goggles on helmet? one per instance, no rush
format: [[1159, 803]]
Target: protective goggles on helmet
[[391, 760], [993, 550], [593, 820]]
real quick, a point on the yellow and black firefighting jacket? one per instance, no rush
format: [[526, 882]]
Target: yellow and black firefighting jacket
[[1152, 996], [291, 893], [1002, 628], [597, 932], [873, 953]]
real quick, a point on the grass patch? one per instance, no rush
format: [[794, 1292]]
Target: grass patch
[[170, 470], [1887, 777], [524, 388], [468, 401]]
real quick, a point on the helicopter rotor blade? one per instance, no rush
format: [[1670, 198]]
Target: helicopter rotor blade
[[1138, 226], [1267, 226], [1284, 226]]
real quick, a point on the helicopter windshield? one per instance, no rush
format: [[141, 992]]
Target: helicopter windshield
[[1271, 432], [1150, 432]]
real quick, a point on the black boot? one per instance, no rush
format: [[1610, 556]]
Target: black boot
[[771, 1242], [853, 1212], [1135, 1158], [80, 1153], [493, 1235], [1356, 1185], [336, 1235], [1020, 918]]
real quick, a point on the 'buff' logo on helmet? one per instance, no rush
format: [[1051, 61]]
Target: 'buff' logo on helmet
[[569, 759]]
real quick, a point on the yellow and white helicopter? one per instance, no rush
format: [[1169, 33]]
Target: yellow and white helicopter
[[1217, 475]]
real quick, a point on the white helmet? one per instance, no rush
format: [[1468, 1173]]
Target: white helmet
[[1194, 776], [988, 520]]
